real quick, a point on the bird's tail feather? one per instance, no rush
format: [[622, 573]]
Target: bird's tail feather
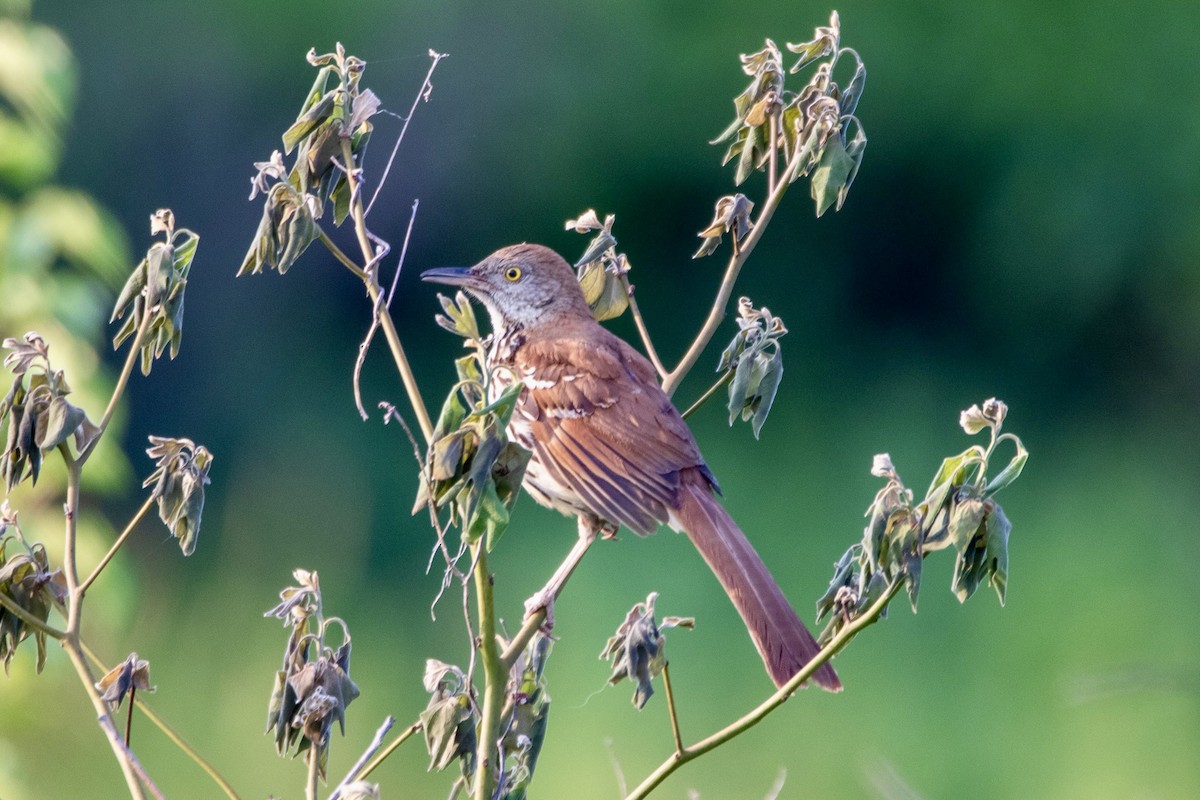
[[783, 641]]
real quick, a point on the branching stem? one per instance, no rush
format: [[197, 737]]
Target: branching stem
[[112, 551], [640, 323], [495, 678], [666, 675], [717, 313], [373, 289], [752, 718]]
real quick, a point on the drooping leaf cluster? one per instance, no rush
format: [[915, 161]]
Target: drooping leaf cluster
[[35, 414], [153, 294], [637, 651], [601, 270], [313, 687], [328, 138], [28, 582], [179, 478], [808, 130], [450, 720], [958, 512], [755, 358], [471, 467]]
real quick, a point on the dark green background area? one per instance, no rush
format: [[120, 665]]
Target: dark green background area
[[1026, 224]]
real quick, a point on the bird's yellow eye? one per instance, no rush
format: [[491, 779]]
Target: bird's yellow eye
[[513, 273]]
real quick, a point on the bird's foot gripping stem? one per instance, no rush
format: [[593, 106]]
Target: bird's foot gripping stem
[[543, 599]]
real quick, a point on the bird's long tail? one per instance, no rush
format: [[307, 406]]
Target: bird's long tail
[[781, 638]]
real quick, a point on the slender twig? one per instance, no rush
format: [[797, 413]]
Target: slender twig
[[752, 718], [422, 93], [135, 776], [495, 679], [391, 747], [337, 252], [29, 619], [366, 343], [112, 551], [129, 715], [385, 318], [533, 623], [158, 722], [314, 772], [772, 170], [640, 323], [119, 389], [666, 675], [376, 741], [717, 313], [704, 398]]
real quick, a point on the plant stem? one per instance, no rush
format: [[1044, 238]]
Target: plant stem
[[640, 323], [704, 398], [134, 774], [740, 253], [373, 288], [666, 673], [29, 619], [119, 389], [337, 252], [112, 551], [752, 718], [168, 731], [391, 747], [314, 760], [495, 678]]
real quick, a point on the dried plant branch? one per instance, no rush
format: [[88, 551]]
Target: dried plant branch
[[391, 747], [168, 731], [752, 718], [422, 93], [640, 323], [374, 290], [671, 709], [736, 261], [366, 343], [116, 545]]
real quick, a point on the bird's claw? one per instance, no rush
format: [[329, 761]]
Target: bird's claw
[[542, 601]]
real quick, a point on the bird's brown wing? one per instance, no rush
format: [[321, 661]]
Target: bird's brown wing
[[603, 428]]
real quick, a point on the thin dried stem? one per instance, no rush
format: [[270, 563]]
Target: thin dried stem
[[366, 343], [752, 718], [376, 742], [391, 747], [112, 551], [119, 389], [704, 398], [736, 261], [385, 318], [422, 93], [640, 323], [666, 675]]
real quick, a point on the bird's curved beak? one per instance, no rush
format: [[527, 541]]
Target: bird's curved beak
[[452, 276]]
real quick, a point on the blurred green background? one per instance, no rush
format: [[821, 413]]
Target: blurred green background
[[1026, 224]]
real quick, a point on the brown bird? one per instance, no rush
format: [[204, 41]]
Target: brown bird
[[607, 445]]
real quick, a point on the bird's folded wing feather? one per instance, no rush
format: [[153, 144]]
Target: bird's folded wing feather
[[603, 427]]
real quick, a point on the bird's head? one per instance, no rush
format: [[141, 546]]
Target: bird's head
[[519, 285]]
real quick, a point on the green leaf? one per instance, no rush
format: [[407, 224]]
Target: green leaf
[[1012, 471], [998, 528], [61, 419], [853, 91], [309, 120], [965, 518], [767, 387], [604, 292], [829, 178], [447, 729]]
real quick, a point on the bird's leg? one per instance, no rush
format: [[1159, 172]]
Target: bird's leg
[[589, 529]]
